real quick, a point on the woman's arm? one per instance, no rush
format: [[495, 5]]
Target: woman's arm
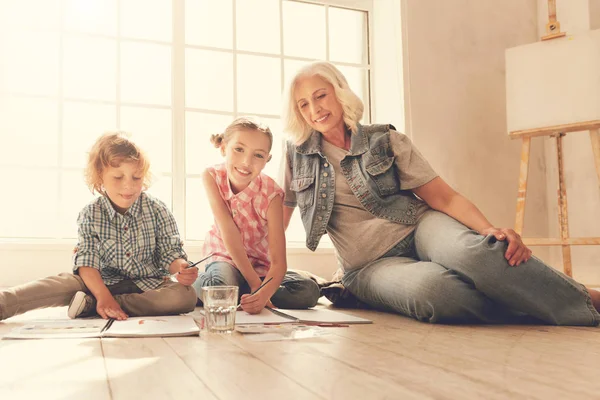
[[255, 303], [231, 234], [441, 197]]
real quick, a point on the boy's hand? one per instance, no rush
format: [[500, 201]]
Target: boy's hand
[[109, 308], [187, 276]]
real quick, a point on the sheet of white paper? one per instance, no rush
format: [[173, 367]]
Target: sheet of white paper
[[264, 317], [58, 329], [323, 315], [170, 325]]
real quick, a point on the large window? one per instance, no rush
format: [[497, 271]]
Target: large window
[[171, 72]]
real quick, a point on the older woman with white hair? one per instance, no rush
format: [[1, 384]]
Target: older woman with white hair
[[406, 241]]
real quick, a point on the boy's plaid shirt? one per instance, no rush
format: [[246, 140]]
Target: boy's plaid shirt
[[138, 245]]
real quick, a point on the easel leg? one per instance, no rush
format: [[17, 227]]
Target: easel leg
[[595, 137], [521, 195], [563, 219]]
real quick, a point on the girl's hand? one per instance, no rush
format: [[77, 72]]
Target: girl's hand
[[187, 276], [517, 252], [253, 304], [109, 308]]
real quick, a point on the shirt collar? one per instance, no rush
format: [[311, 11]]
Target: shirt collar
[[135, 209]]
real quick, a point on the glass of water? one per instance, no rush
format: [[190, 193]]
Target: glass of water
[[220, 303]]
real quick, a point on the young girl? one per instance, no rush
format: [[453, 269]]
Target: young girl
[[248, 240], [128, 245]]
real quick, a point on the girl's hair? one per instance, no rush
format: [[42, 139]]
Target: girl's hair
[[242, 123], [352, 105], [112, 149]]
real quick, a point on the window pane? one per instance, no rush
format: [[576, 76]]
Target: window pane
[[209, 23], [299, 41], [152, 131], [29, 62], [29, 14], [83, 123], [257, 24], [199, 152], [28, 132], [91, 16], [143, 19], [89, 69], [209, 80], [36, 217], [145, 73], [259, 84], [162, 189], [199, 218], [347, 38], [74, 196]]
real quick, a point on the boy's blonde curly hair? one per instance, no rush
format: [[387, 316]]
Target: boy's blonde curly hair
[[113, 149]]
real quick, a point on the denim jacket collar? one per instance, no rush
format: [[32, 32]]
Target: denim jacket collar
[[358, 143]]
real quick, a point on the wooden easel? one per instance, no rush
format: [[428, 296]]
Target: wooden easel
[[558, 131], [553, 26]]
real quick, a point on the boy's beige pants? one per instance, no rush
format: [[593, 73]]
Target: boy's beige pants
[[57, 291]]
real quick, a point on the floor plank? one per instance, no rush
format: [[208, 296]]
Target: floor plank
[[233, 373], [148, 368], [52, 369]]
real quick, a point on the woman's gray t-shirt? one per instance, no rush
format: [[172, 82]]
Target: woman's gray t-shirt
[[358, 236]]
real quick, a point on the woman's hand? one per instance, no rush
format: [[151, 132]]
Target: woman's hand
[[109, 308], [517, 252]]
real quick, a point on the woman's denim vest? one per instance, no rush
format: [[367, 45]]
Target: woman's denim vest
[[368, 169]]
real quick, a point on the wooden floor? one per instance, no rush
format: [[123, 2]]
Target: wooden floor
[[394, 358]]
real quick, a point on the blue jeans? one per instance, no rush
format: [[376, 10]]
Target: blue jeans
[[295, 291], [446, 273]]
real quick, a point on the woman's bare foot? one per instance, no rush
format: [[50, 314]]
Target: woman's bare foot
[[595, 295]]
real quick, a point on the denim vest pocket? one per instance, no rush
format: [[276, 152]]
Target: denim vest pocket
[[384, 176], [305, 191]]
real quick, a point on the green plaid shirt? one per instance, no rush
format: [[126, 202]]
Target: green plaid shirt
[[138, 245]]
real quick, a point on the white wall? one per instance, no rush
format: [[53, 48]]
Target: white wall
[[454, 58]]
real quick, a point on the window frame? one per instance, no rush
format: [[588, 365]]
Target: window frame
[[56, 253]]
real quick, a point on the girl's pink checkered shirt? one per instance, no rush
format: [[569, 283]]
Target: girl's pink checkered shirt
[[249, 211]]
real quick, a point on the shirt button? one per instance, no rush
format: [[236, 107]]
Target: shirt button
[[323, 208], [320, 218], [128, 254], [124, 228], [325, 174], [326, 165], [324, 185], [323, 195]]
